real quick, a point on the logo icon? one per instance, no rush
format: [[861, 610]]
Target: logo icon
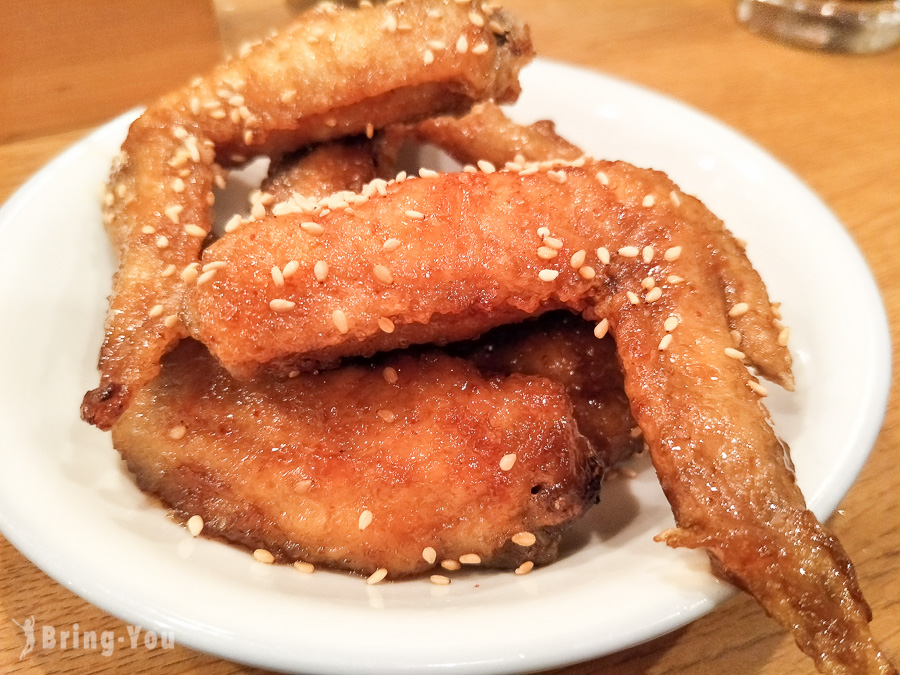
[[28, 629]]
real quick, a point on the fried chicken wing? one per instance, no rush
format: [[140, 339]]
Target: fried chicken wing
[[364, 467], [331, 74], [627, 249]]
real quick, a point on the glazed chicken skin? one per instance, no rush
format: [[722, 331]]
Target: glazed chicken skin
[[366, 466], [474, 247], [313, 82]]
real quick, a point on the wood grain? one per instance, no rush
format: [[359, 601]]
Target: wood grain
[[830, 118]]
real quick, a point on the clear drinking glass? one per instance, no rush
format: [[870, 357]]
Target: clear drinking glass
[[857, 26]]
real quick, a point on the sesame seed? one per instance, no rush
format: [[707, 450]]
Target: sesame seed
[[148, 229], [195, 525], [383, 274], [548, 275], [304, 567], [670, 324], [674, 198], [470, 559], [557, 176], [427, 173], [672, 254], [313, 229], [390, 23], [507, 461], [648, 253], [162, 241], [439, 579], [290, 269], [156, 311], [429, 555], [602, 177], [587, 272], [233, 223], [468, 168], [206, 276], [736, 337], [170, 321], [428, 57], [577, 259], [648, 282], [739, 309], [391, 245], [546, 253], [462, 45], [168, 271], [386, 415], [632, 297], [758, 388], [543, 232], [476, 19], [390, 375], [280, 305], [194, 231], [636, 432], [485, 166], [436, 45], [339, 318], [257, 211], [653, 294], [553, 242], [320, 270], [524, 539], [665, 342], [377, 576], [674, 279], [277, 276], [525, 567], [385, 324], [365, 519], [603, 255], [451, 565], [648, 201], [629, 251], [415, 215], [263, 556], [733, 353], [190, 273], [601, 329], [784, 336], [177, 433], [497, 28], [178, 185]]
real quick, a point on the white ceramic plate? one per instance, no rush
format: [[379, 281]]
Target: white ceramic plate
[[67, 504]]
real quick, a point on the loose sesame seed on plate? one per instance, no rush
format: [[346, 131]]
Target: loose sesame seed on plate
[[377, 576], [281, 305], [629, 251], [672, 254], [429, 555], [385, 324], [739, 309], [601, 329], [548, 275], [524, 539], [470, 559], [733, 353], [263, 556], [508, 461], [665, 342], [195, 525], [365, 519], [339, 318], [439, 579], [304, 567], [178, 432], [525, 567], [450, 564]]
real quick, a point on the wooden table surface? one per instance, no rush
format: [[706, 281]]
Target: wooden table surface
[[834, 120]]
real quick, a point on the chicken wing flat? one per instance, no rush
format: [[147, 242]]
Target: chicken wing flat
[[629, 250], [335, 72], [342, 468]]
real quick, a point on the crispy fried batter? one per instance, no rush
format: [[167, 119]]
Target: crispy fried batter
[[473, 256], [331, 74], [316, 451]]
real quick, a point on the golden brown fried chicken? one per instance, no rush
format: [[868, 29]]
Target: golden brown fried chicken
[[333, 73], [621, 245], [364, 467]]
